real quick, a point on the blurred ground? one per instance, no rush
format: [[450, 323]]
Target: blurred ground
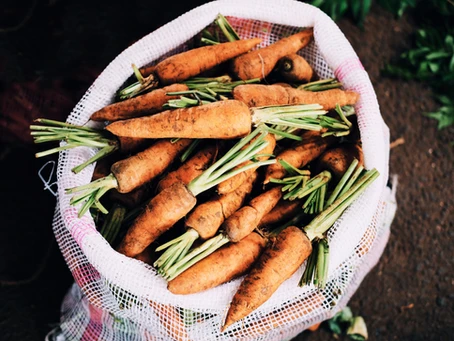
[[48, 62]]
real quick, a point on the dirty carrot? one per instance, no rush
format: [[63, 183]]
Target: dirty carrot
[[278, 262], [146, 104], [190, 169], [130, 173], [236, 227], [294, 68], [299, 154], [338, 158], [173, 203], [228, 262], [260, 62], [282, 211], [203, 223], [236, 181], [258, 95], [224, 120]]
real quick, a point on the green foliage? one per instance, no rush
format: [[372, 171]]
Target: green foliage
[[431, 56], [345, 323], [336, 9], [397, 7]]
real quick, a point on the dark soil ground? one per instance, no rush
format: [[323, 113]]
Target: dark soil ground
[[46, 65]]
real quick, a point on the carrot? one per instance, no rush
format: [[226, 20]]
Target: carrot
[[189, 170], [174, 202], [146, 104], [202, 223], [230, 261], [209, 216], [184, 65], [282, 211], [236, 181], [161, 213], [260, 62], [338, 159], [278, 262], [130, 173], [131, 199], [247, 218], [300, 154], [227, 119], [258, 95], [294, 68], [281, 317], [145, 71]]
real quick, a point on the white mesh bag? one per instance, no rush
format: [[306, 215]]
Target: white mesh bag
[[119, 298]]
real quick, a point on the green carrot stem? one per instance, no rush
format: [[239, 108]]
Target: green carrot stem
[[282, 133], [99, 155], [309, 271], [322, 263], [359, 169], [343, 180], [197, 254], [342, 115], [62, 124], [189, 150], [226, 28], [321, 223]]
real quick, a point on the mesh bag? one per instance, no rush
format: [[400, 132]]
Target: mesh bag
[[119, 298]]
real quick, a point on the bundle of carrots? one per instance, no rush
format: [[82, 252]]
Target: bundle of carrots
[[244, 166]]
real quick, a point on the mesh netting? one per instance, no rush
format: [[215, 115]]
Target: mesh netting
[[119, 298]]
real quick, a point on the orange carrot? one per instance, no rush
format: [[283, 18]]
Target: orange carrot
[[184, 65], [300, 154], [207, 217], [300, 309], [146, 104], [258, 95], [227, 119], [285, 209], [173, 203], [234, 182], [144, 166], [129, 174], [278, 262], [160, 214], [246, 219], [229, 262], [145, 71], [260, 62], [338, 159], [294, 68], [190, 169]]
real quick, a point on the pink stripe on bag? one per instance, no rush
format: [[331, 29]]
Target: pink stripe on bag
[[82, 228], [346, 67]]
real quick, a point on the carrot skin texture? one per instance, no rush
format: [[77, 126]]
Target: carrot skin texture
[[338, 159], [184, 65], [146, 104], [246, 219], [278, 262], [285, 209], [227, 119], [189, 170], [257, 95], [294, 68], [230, 261], [300, 154], [146, 165], [160, 214], [207, 217], [234, 182], [260, 62]]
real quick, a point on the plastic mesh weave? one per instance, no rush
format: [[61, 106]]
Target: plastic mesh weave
[[119, 298]]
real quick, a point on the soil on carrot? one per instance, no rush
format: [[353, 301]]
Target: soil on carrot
[[51, 51]]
